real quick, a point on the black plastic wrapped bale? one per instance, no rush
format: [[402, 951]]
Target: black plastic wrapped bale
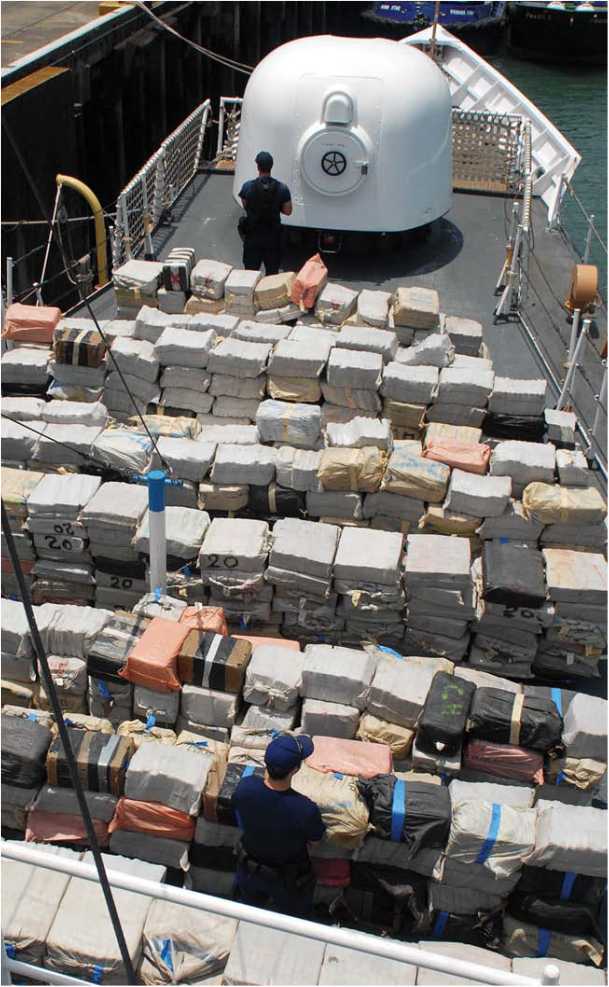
[[518, 427], [560, 666], [25, 744], [409, 812], [476, 930], [567, 794], [442, 722], [387, 897], [279, 501], [513, 718], [102, 761], [219, 662], [572, 918], [234, 774], [108, 653], [562, 885], [513, 575]]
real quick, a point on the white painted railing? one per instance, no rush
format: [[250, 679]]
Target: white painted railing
[[375, 945], [229, 125]]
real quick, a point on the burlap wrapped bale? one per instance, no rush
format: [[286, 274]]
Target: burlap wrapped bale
[[355, 470], [553, 504], [413, 476]]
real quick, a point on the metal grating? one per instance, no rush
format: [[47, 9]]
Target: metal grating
[[486, 151]]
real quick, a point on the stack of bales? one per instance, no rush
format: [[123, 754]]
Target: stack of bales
[[79, 363], [183, 355], [177, 268], [17, 485], [111, 519], [139, 366], [233, 560], [367, 579], [136, 283]]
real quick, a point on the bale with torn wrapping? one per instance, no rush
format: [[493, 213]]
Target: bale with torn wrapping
[[24, 750], [343, 811], [335, 304], [183, 945]]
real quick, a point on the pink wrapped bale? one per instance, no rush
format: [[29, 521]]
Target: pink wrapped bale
[[350, 757]]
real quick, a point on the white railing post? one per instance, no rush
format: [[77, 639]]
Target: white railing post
[[221, 117], [573, 338], [588, 246], [125, 222], [509, 249], [9, 281], [601, 405], [572, 366], [551, 974], [201, 136]]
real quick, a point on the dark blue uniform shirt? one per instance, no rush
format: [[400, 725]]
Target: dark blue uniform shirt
[[276, 826], [261, 232]]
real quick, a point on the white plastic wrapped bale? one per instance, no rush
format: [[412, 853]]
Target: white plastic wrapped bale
[[248, 388], [570, 838], [241, 544], [572, 465], [239, 287], [460, 951], [142, 274], [150, 324], [79, 440], [299, 358], [243, 410], [335, 304], [109, 700], [238, 358], [20, 441], [400, 686], [441, 561], [73, 413], [291, 424], [575, 577], [208, 278], [185, 530], [304, 547], [456, 414], [338, 675], [469, 791], [393, 506], [24, 409], [462, 386], [70, 630], [274, 677], [162, 706], [409, 384], [31, 897], [184, 348], [122, 449], [172, 776], [371, 340], [525, 462], [277, 316], [360, 432], [184, 945], [243, 464], [70, 946], [297, 468], [230, 434], [572, 974], [367, 556], [373, 308], [478, 496], [330, 719], [136, 357], [585, 728], [60, 497], [436, 350], [526, 940], [190, 459], [15, 629], [500, 837], [416, 307], [330, 504], [560, 426], [354, 369], [113, 328], [514, 396], [465, 334], [267, 956], [208, 707], [155, 849], [25, 366]]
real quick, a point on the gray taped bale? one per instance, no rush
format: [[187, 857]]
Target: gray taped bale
[[478, 496], [572, 465], [154, 849], [186, 399], [149, 324], [461, 901], [25, 365], [190, 459], [513, 396], [400, 686], [334, 504], [240, 435], [304, 546], [456, 414], [416, 307], [136, 357], [409, 384], [297, 468], [390, 505], [468, 791], [173, 776], [436, 763], [465, 334], [101, 509], [439, 561], [185, 529], [15, 806], [189, 378], [242, 539], [259, 719], [143, 390], [209, 707], [354, 369], [560, 425], [162, 705], [513, 524], [368, 556], [72, 413], [574, 576], [267, 956], [370, 340], [85, 440], [246, 388], [574, 974], [373, 307], [15, 629], [501, 837], [208, 278], [70, 947], [460, 951], [348, 397], [360, 432], [463, 386], [338, 675], [297, 358], [585, 728], [260, 332], [329, 719], [436, 350], [274, 677], [476, 876], [291, 424], [335, 303], [525, 462], [199, 943], [184, 348], [238, 464], [575, 536], [570, 838], [350, 966], [239, 359]]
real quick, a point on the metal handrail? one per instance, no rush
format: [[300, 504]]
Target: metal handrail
[[375, 945], [592, 230]]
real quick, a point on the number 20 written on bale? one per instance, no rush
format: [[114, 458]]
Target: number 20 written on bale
[[217, 561]]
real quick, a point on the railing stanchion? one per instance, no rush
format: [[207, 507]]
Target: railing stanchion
[[9, 281], [572, 365], [588, 246]]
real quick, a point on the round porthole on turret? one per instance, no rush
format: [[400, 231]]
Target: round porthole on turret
[[334, 161]]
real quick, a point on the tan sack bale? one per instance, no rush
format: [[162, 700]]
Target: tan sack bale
[[447, 523], [522, 939], [274, 291], [342, 808], [296, 389], [356, 470], [413, 476], [378, 731], [553, 504]]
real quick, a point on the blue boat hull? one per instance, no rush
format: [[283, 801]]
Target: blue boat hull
[[481, 25]]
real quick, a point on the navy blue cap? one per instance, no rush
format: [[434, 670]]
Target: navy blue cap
[[287, 752], [264, 160]]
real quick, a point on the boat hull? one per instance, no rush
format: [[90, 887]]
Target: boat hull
[[481, 25], [557, 34]]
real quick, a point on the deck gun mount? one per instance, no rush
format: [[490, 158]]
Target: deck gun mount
[[360, 130]]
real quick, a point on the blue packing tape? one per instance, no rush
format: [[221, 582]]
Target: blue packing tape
[[503, 540], [543, 941], [560, 777], [398, 810], [567, 885], [338, 774], [391, 651], [103, 689], [487, 847], [97, 975], [440, 924], [11, 952], [556, 696], [31, 716], [200, 743], [247, 771], [150, 721], [167, 954], [157, 594]]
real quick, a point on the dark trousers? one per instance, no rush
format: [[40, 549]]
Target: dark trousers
[[255, 254], [266, 890]]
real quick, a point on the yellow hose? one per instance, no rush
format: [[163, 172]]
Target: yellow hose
[[98, 216]]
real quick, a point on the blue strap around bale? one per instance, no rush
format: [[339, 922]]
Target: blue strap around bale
[[491, 837], [556, 696], [11, 952], [200, 743], [247, 771], [157, 594], [150, 721], [103, 689], [398, 810], [167, 954], [560, 777], [391, 651], [31, 716], [97, 975], [440, 924], [567, 885], [503, 540], [543, 941]]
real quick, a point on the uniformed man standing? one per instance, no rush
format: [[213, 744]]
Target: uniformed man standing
[[265, 200], [274, 870]]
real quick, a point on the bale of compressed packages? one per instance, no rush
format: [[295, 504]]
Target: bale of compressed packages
[[300, 390], [462, 385], [479, 496], [335, 719], [585, 728], [578, 577], [310, 280], [350, 757], [15, 629], [209, 707], [413, 385], [498, 836], [468, 457], [408, 812], [108, 651], [441, 726], [354, 369], [334, 504], [214, 661], [373, 308], [400, 686], [238, 358], [414, 476], [273, 677], [366, 338], [355, 470], [304, 546], [102, 760], [240, 544], [398, 739], [300, 358], [339, 675], [570, 838], [185, 945], [342, 808], [335, 304], [174, 776], [33, 324], [485, 791], [553, 504], [416, 307], [521, 939], [506, 718], [243, 465], [140, 733], [364, 556], [153, 661], [153, 819], [359, 433], [25, 744], [504, 761], [274, 290], [291, 424], [208, 278], [513, 575]]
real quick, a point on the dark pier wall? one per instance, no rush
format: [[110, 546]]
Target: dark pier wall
[[126, 87]]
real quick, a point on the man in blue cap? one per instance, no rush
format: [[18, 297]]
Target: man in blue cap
[[265, 200], [276, 825]]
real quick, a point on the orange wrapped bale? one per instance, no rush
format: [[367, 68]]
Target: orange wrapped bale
[[350, 757], [255, 641], [205, 619], [153, 661], [470, 457], [309, 282], [31, 323], [62, 827], [152, 818]]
